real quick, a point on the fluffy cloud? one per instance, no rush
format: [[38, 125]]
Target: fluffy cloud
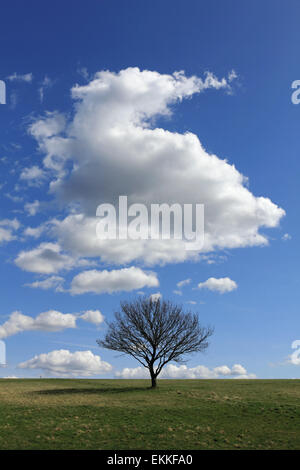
[[93, 316], [46, 321], [34, 232], [8, 229], [51, 321], [52, 282], [10, 377], [32, 207], [239, 370], [172, 371], [46, 132], [99, 282], [67, 364], [10, 223], [77, 233], [115, 149], [47, 258], [33, 175], [133, 373], [221, 285]]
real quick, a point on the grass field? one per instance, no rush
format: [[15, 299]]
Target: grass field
[[125, 414]]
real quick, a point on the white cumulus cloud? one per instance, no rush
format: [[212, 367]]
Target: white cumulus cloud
[[51, 320], [221, 285], [64, 363], [115, 149], [47, 258], [172, 371], [33, 175], [8, 227], [126, 279], [32, 207], [93, 316]]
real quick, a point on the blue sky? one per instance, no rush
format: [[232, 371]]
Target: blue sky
[[55, 146]]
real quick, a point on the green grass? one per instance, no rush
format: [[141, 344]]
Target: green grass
[[126, 414]]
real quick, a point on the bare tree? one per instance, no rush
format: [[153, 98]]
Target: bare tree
[[155, 332]]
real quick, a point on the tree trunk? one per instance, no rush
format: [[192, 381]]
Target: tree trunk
[[153, 381], [153, 376]]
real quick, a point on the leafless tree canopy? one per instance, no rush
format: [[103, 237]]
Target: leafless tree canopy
[[155, 332]]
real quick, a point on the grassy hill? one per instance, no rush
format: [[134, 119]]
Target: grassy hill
[[125, 414]]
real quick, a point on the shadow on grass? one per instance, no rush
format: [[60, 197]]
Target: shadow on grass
[[90, 391]]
